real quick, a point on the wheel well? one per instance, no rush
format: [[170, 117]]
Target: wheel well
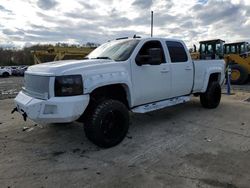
[[214, 77], [6, 73], [114, 91]]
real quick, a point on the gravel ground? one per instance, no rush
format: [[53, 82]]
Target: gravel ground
[[182, 146], [9, 87]]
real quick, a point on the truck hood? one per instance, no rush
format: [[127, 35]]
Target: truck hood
[[65, 66]]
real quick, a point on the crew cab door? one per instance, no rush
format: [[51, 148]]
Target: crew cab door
[[151, 80], [182, 70]]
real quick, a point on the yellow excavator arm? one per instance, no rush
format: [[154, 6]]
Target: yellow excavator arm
[[59, 53]]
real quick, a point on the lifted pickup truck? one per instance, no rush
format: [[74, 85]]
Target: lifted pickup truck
[[138, 75]]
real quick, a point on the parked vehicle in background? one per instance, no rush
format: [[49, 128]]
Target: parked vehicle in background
[[19, 71], [236, 56], [14, 71], [5, 72], [138, 75], [22, 70]]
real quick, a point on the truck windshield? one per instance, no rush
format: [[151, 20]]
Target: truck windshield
[[115, 50]]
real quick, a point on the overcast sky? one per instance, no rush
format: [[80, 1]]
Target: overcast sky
[[25, 22]]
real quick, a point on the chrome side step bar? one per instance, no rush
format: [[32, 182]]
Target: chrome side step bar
[[161, 104]]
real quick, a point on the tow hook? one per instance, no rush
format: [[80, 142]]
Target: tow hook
[[14, 110], [24, 116], [23, 113]]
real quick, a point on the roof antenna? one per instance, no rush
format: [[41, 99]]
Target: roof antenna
[[152, 22], [135, 36]]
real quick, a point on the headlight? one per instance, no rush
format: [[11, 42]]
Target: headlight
[[68, 85]]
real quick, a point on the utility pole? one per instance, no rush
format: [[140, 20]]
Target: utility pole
[[152, 22]]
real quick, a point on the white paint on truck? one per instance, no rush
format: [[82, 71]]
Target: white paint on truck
[[144, 84]]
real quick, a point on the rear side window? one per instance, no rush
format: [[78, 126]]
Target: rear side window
[[176, 51]]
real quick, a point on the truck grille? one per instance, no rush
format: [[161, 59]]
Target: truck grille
[[36, 86]]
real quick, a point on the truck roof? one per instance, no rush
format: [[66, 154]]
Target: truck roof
[[146, 38]]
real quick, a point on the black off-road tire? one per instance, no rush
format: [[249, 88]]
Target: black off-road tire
[[107, 123], [211, 98], [6, 74], [243, 74]]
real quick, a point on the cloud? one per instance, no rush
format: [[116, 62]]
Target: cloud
[[229, 22], [144, 4], [12, 32], [86, 5], [203, 1], [102, 20], [47, 4], [210, 13], [3, 9]]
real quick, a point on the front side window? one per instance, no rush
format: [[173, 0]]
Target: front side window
[[146, 50], [176, 51], [118, 50]]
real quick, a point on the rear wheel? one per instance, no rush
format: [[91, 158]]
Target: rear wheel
[[239, 74], [211, 98], [107, 123]]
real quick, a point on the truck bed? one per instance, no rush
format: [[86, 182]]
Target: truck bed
[[203, 68]]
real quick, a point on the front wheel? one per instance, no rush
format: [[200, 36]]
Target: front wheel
[[107, 124], [211, 98]]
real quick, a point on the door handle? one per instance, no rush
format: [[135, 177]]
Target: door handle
[[164, 70], [188, 68]]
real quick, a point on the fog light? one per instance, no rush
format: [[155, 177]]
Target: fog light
[[50, 109]]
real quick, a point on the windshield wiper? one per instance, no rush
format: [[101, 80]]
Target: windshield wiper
[[102, 57]]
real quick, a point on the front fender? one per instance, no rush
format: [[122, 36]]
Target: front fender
[[92, 82]]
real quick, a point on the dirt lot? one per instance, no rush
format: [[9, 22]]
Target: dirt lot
[[9, 87], [182, 146]]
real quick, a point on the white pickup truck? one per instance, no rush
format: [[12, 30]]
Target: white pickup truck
[[134, 74]]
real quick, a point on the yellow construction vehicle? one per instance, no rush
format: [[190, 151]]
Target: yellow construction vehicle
[[59, 53], [209, 49], [236, 55]]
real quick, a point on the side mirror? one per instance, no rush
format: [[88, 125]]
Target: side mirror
[[142, 59], [138, 60], [154, 57]]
